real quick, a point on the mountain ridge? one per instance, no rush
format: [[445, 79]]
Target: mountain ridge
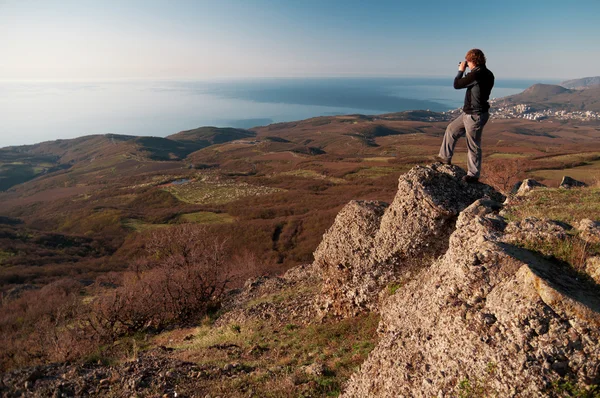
[[581, 83], [555, 97]]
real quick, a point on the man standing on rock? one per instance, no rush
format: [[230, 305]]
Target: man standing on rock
[[474, 114]]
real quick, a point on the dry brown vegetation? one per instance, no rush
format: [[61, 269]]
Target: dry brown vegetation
[[76, 250], [181, 278]]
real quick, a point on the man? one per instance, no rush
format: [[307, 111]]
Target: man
[[474, 114]]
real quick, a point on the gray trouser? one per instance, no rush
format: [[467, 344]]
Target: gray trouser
[[472, 126]]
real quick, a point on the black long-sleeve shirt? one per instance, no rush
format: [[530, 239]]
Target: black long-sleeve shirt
[[479, 85]]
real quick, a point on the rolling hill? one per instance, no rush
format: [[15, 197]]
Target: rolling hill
[[90, 153], [548, 96], [582, 83]]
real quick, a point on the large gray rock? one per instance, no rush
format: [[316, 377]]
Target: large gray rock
[[371, 244], [589, 231], [534, 229], [344, 258], [486, 319]]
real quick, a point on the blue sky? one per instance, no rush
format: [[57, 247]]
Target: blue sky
[[218, 39]]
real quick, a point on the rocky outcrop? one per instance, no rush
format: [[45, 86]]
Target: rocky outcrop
[[533, 229], [345, 260], [486, 319], [152, 373], [589, 231], [592, 268], [372, 244], [281, 300], [526, 186], [568, 183]]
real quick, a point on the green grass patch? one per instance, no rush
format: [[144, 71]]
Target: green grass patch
[[572, 251], [140, 226], [507, 156], [313, 175], [280, 353], [379, 159], [393, 288], [282, 296], [206, 217], [567, 388], [589, 172], [339, 345], [573, 157], [567, 205]]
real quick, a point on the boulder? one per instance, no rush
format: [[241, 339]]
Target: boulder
[[344, 258], [372, 244], [592, 268], [589, 231], [486, 319], [568, 183], [526, 186], [533, 229]]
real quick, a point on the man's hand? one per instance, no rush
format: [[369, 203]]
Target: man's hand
[[462, 66]]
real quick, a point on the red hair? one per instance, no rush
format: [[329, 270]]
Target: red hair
[[476, 56]]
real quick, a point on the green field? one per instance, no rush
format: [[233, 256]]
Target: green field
[[589, 173], [507, 156], [139, 225], [206, 217], [313, 175], [573, 157], [567, 205]]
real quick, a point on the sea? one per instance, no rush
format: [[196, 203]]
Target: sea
[[36, 111]]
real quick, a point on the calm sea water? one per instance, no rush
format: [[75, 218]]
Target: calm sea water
[[32, 112]]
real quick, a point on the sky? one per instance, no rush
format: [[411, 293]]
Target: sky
[[80, 40]]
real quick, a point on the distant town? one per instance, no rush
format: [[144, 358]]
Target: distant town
[[524, 111]]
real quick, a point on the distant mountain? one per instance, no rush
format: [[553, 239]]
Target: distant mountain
[[582, 83], [549, 96]]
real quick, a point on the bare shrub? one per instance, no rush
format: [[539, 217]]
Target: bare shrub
[[184, 274], [42, 326], [503, 174]]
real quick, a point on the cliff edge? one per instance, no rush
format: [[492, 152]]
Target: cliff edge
[[481, 316]]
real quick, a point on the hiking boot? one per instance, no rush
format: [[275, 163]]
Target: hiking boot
[[470, 179]]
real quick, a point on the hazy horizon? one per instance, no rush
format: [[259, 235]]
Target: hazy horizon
[[157, 39], [89, 43], [34, 111]]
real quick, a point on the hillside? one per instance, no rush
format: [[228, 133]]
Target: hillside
[[582, 83], [206, 136], [548, 96], [484, 310], [120, 217], [22, 163]]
